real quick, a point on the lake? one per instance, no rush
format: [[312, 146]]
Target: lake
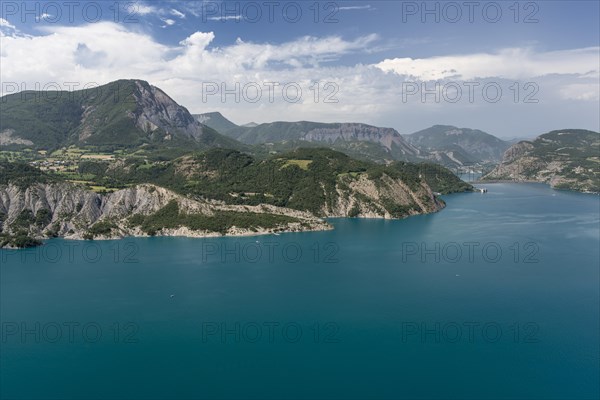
[[496, 296]]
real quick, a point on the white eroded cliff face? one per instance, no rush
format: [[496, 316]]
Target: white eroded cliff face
[[367, 198], [68, 210]]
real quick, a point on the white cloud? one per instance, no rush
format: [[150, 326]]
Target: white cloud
[[8, 30], [349, 8], [224, 18], [513, 63], [5, 24], [144, 9], [43, 17], [177, 13], [198, 40], [168, 22], [366, 93], [581, 91]]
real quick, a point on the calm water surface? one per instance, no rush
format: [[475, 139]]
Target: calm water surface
[[497, 296]]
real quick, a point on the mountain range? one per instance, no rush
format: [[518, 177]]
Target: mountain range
[[133, 113], [565, 159], [356, 139], [442, 144], [205, 175]]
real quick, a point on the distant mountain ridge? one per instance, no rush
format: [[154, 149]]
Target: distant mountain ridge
[[132, 113], [449, 144], [121, 113], [442, 144], [356, 139], [216, 121], [565, 159]]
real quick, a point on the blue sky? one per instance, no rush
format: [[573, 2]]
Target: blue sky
[[373, 59]]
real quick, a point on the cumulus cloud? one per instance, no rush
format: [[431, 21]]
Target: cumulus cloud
[[7, 29], [372, 93], [4, 23]]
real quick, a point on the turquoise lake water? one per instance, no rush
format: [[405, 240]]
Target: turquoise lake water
[[496, 296]]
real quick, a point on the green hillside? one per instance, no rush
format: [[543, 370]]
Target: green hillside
[[124, 113]]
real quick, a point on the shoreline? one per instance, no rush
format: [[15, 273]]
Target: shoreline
[[184, 232], [532, 181], [174, 234]]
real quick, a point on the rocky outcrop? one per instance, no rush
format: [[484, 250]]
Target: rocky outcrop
[[566, 159], [347, 132], [7, 137], [156, 110], [67, 210], [367, 198], [71, 211], [516, 160]]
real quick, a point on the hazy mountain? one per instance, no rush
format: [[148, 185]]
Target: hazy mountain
[[216, 121], [566, 159], [460, 146], [356, 139], [121, 113]]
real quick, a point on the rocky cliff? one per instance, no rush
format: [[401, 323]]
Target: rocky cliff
[[356, 139], [388, 138], [565, 159], [385, 197], [45, 210], [62, 209]]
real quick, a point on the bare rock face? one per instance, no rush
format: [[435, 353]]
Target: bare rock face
[[157, 110], [60, 199], [564, 159], [348, 132], [363, 197], [72, 210], [515, 162], [68, 210], [8, 137]]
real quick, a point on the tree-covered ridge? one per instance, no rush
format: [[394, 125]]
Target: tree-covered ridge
[[23, 175], [124, 113], [304, 179], [466, 146], [321, 182]]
